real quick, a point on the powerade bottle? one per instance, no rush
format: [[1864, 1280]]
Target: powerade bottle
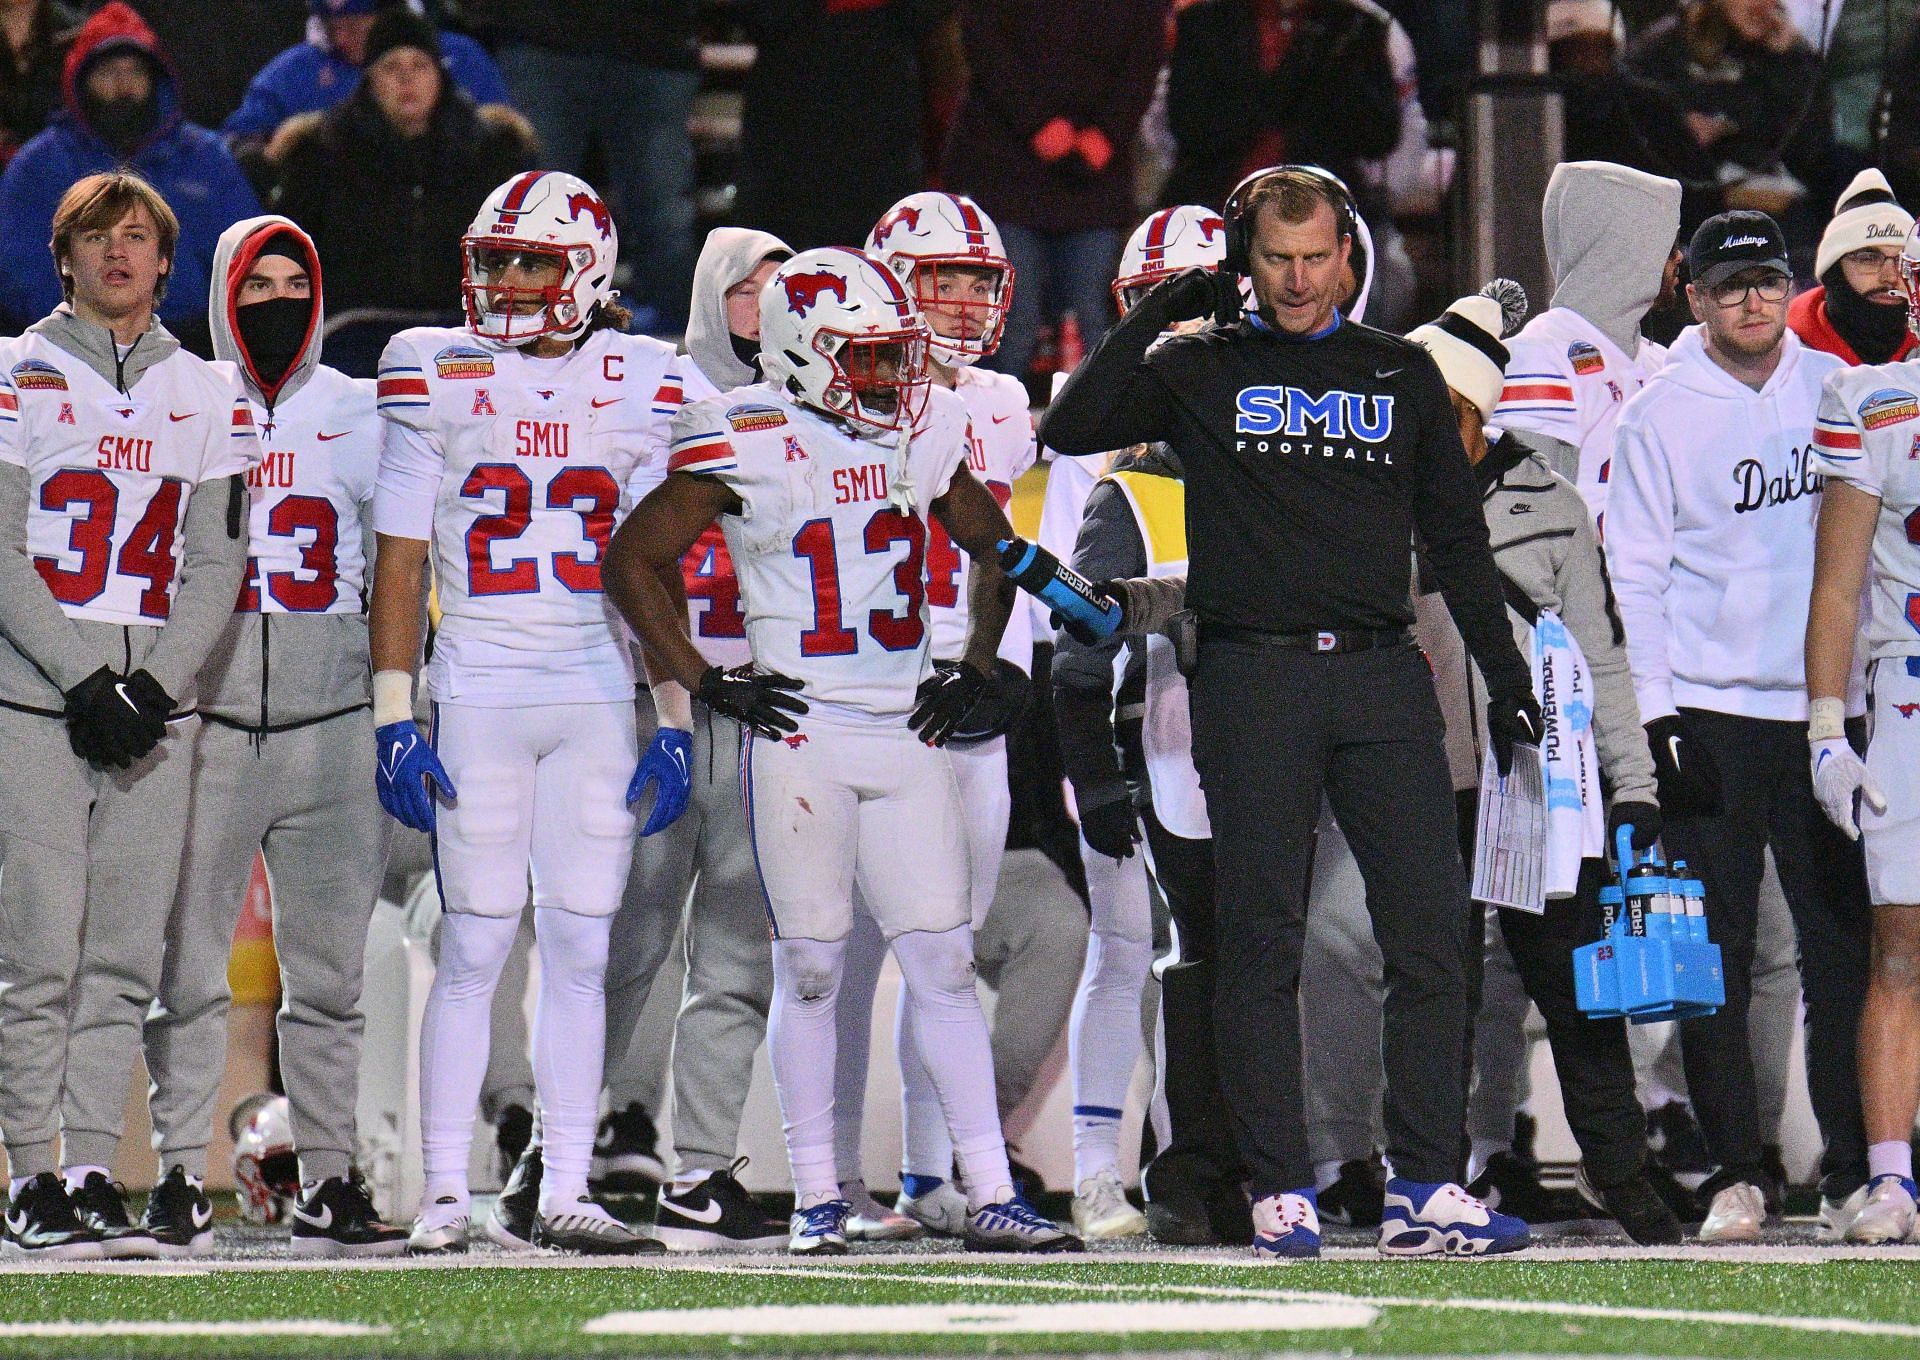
[[1646, 889], [1693, 896]]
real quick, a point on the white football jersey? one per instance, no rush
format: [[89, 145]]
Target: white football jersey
[[832, 574], [1000, 448], [110, 473], [1868, 435], [516, 469], [306, 553]]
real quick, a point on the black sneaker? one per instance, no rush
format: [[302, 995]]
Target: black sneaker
[[1513, 1186], [1675, 1140], [716, 1215], [625, 1160], [102, 1206], [512, 1131], [517, 1208], [180, 1217], [1636, 1206], [335, 1217], [41, 1225], [1358, 1197]]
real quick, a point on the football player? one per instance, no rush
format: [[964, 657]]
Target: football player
[[822, 478], [512, 446], [124, 510], [282, 765]]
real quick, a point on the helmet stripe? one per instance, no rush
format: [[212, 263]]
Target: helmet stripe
[[969, 221], [1156, 243], [517, 196]]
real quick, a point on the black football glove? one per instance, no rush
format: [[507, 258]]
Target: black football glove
[[1512, 720], [762, 700], [1110, 828], [1689, 778], [1644, 818], [113, 721], [152, 701], [1192, 293], [945, 698]]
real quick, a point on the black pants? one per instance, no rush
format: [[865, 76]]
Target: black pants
[[1590, 1057], [1767, 797], [1201, 1149], [1273, 731]]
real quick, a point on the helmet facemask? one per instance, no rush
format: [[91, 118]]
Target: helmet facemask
[[879, 381], [966, 318], [1910, 276], [509, 298]]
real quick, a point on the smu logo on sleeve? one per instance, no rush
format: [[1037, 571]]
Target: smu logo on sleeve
[[1308, 424]]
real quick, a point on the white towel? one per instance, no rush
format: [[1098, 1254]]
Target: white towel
[[1576, 826]]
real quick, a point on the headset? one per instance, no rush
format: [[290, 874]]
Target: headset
[[1238, 263]]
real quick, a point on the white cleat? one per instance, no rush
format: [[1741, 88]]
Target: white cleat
[[942, 1209], [868, 1220], [1101, 1210], [1889, 1214], [1736, 1214], [1837, 1215], [440, 1230]]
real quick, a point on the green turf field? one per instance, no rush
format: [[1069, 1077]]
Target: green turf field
[[1752, 1305]]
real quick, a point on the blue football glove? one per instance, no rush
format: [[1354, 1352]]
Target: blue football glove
[[666, 764], [1086, 611], [401, 770]]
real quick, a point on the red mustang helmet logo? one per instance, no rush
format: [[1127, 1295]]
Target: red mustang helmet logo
[[899, 217], [803, 290], [1209, 225], [592, 207]]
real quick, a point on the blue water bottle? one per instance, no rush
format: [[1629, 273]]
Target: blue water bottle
[[1693, 898]]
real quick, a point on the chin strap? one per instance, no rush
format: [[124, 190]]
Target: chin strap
[[899, 483]]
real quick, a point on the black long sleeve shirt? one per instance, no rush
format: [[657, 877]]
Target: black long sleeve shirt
[[1310, 466]]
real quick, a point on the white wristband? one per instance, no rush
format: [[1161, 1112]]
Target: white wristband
[[392, 697], [1826, 719], [673, 705]]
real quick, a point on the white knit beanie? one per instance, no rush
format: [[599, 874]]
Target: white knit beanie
[[1864, 215], [1465, 343]]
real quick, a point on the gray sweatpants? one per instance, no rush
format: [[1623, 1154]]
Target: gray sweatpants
[[698, 876], [91, 861], [305, 798]]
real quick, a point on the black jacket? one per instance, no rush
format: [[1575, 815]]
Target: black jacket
[[387, 213]]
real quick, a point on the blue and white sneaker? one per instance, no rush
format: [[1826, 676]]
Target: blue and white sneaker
[[819, 1231], [1889, 1214], [1287, 1227], [1441, 1219], [1014, 1225]]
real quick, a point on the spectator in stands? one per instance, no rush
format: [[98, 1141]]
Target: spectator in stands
[[33, 45], [1859, 311], [217, 49], [1751, 92], [1897, 130], [1865, 35], [315, 75], [624, 76], [1263, 82], [121, 108], [822, 159], [387, 183], [1045, 144]]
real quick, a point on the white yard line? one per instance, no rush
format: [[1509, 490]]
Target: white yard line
[[262, 1327], [1126, 1318]]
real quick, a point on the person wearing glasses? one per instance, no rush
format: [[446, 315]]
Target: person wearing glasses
[[1859, 311], [1711, 544]]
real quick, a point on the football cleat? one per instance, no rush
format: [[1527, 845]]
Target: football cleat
[[587, 1229], [334, 1218], [1286, 1227], [441, 1228], [1014, 1225], [819, 1231], [1735, 1214], [1837, 1213], [1101, 1210], [1635, 1205], [941, 1210], [868, 1220], [180, 1216], [625, 1156], [715, 1214], [1889, 1213], [102, 1206], [517, 1207], [41, 1225], [1440, 1219]]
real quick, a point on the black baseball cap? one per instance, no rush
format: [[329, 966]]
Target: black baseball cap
[[1732, 241]]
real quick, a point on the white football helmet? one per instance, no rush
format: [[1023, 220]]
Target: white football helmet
[[840, 335], [1171, 240], [1910, 276], [540, 219], [924, 239], [266, 1173]]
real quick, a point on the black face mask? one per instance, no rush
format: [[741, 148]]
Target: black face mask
[[1874, 329], [121, 123], [271, 333], [746, 351]]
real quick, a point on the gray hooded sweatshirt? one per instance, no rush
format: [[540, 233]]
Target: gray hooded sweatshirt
[[271, 671], [729, 255], [1609, 230]]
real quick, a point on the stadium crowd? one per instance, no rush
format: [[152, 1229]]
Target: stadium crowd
[[561, 504]]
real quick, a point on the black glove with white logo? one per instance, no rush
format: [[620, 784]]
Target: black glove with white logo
[[1689, 778], [1644, 818], [1192, 293], [113, 721], [944, 700], [1512, 720], [762, 700]]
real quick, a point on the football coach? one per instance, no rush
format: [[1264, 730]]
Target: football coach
[[1317, 452]]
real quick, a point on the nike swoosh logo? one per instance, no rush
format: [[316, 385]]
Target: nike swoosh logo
[[323, 438], [120, 689], [16, 1223], [395, 756], [597, 403], [323, 1222], [710, 1214], [1821, 761], [1519, 509], [176, 417], [1001, 420], [1673, 751], [203, 1215], [1382, 373]]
